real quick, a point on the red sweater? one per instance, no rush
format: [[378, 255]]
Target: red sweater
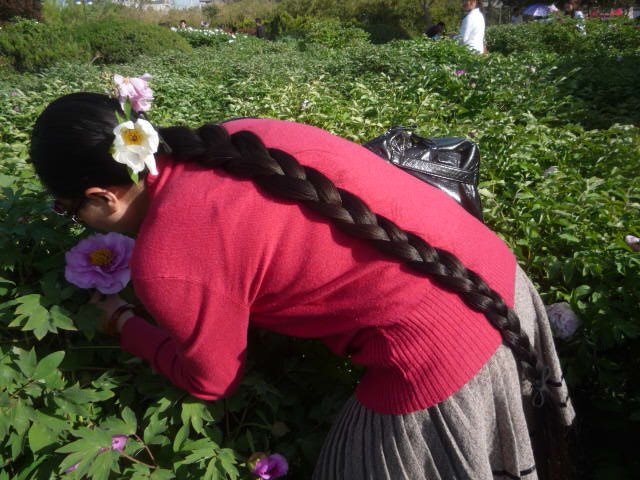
[[214, 253]]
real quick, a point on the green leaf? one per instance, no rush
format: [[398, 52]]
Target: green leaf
[[130, 419], [153, 432], [103, 464], [40, 436], [48, 364], [61, 319], [162, 474], [27, 362], [182, 434]]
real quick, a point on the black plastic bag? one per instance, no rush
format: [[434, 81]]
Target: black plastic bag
[[451, 164]]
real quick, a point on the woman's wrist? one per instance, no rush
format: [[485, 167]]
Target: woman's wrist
[[128, 314], [119, 316]]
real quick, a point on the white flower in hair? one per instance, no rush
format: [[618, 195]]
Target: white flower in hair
[[135, 144]]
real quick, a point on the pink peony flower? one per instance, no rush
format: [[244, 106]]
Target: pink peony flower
[[118, 442], [563, 320], [101, 262], [136, 90], [460, 72], [633, 242], [273, 466]]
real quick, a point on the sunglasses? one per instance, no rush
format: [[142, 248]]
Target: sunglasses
[[71, 213]]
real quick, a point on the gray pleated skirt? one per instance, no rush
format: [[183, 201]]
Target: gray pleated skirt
[[481, 432]]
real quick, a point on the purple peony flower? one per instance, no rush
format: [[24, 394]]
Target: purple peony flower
[[563, 320], [101, 262], [136, 90], [633, 242], [118, 442], [273, 466], [14, 93], [460, 72]]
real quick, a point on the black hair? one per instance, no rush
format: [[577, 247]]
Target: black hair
[[70, 145], [70, 150]]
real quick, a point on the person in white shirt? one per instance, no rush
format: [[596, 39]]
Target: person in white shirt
[[516, 16], [472, 28]]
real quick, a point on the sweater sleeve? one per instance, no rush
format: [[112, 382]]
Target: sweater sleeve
[[200, 340]]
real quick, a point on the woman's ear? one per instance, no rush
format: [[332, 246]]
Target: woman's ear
[[107, 199]]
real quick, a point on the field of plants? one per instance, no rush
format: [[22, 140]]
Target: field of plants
[[559, 134]]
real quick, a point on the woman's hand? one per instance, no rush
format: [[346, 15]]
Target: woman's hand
[[108, 304]]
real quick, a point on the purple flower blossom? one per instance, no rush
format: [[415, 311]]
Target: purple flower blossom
[[118, 442], [14, 93], [460, 72], [273, 466], [136, 90], [563, 320], [100, 261], [16, 108], [633, 242], [550, 171]]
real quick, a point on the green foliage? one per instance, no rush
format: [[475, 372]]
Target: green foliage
[[333, 34], [527, 114], [118, 41], [31, 46], [562, 36]]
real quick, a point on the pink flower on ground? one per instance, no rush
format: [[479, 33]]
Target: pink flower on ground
[[563, 320], [101, 262], [633, 242], [136, 90], [118, 442], [460, 72], [273, 466]]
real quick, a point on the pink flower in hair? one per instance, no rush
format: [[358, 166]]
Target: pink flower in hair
[[136, 90]]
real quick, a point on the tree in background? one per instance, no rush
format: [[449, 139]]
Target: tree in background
[[210, 12], [20, 8]]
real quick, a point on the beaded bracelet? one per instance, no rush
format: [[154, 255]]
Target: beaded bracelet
[[112, 325]]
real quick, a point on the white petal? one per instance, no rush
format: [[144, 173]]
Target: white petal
[[130, 159], [150, 162], [150, 134]]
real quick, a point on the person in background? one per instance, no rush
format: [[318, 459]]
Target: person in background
[[435, 32], [259, 28], [570, 9], [182, 24], [472, 28], [516, 16]]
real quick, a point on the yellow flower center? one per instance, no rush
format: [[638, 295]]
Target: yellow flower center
[[131, 136], [101, 257]]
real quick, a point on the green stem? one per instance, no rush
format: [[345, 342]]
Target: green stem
[[129, 457], [146, 447]]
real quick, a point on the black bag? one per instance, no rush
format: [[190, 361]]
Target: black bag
[[451, 164]]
